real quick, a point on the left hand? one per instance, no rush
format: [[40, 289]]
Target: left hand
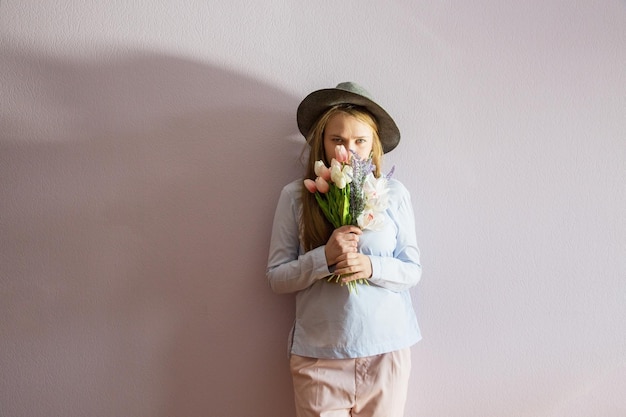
[[353, 266]]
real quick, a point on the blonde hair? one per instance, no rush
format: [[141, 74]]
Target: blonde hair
[[314, 228]]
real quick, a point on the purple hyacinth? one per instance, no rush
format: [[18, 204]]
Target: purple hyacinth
[[360, 169]]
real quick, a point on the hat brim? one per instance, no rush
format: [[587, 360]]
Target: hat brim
[[316, 103]]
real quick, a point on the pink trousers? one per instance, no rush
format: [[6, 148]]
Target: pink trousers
[[374, 386]]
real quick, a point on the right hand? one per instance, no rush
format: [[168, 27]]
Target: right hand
[[344, 239]]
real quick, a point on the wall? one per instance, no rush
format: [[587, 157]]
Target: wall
[[143, 147]]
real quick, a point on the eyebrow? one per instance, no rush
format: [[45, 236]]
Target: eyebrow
[[334, 135]]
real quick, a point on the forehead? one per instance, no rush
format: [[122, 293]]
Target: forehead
[[346, 124]]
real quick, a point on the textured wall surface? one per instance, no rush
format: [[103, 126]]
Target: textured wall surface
[[143, 147]]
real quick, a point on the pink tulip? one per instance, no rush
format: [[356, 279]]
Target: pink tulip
[[341, 154], [310, 185], [322, 170], [322, 185]]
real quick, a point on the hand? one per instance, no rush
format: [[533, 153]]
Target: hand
[[353, 266], [344, 240]]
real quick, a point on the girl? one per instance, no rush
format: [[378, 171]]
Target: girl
[[349, 351]]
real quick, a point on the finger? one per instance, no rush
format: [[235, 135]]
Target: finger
[[347, 237], [354, 265], [348, 269], [352, 277], [349, 247], [350, 229], [343, 260]]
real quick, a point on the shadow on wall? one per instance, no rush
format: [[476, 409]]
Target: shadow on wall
[[137, 201]]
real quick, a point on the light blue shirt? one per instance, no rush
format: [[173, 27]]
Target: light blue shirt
[[330, 321]]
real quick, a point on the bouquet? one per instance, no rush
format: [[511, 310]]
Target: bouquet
[[348, 193]]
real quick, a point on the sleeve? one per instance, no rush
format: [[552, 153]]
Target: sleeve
[[289, 270], [403, 270]]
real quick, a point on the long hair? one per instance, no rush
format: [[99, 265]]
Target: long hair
[[314, 228]]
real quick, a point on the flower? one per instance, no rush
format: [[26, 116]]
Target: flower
[[322, 170], [310, 185], [376, 200], [341, 154], [367, 220], [349, 193], [322, 185], [340, 173]]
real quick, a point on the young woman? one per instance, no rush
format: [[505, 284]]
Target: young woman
[[349, 351]]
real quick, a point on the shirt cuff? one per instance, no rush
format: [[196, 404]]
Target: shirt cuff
[[320, 267], [376, 268]]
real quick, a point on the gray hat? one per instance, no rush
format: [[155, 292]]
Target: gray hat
[[316, 103]]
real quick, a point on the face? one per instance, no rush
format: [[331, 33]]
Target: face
[[346, 130]]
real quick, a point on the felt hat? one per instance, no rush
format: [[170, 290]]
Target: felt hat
[[316, 103]]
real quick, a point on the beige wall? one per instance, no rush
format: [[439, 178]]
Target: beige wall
[[143, 146]]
